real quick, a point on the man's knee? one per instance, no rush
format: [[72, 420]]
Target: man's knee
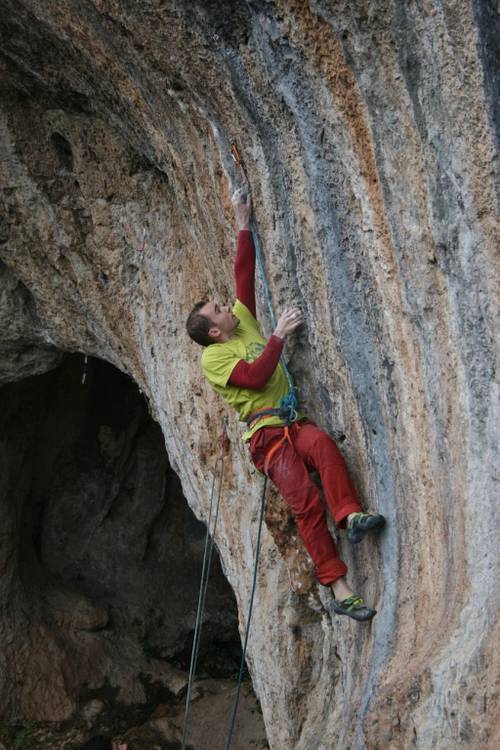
[[305, 502], [325, 445], [311, 515]]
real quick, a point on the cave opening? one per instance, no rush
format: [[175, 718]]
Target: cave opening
[[107, 546]]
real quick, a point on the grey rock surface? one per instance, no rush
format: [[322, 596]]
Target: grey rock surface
[[23, 351]]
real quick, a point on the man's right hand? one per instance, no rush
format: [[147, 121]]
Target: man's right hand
[[288, 322]]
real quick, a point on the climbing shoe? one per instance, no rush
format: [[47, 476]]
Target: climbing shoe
[[354, 607], [361, 523]]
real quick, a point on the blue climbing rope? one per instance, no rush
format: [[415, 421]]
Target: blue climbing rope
[[288, 404], [289, 401]]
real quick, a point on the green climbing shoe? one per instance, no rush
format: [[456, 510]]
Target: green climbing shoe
[[361, 523], [354, 607]]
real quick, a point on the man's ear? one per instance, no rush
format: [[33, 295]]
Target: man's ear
[[214, 332]]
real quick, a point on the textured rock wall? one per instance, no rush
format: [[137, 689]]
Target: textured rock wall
[[369, 133]]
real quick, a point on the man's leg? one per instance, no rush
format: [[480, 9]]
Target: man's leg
[[319, 452], [289, 473]]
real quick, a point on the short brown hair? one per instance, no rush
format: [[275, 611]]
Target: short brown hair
[[198, 325]]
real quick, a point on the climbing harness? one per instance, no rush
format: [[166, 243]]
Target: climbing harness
[[286, 413], [265, 414], [274, 447]]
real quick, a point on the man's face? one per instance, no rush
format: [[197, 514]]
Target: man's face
[[223, 320]]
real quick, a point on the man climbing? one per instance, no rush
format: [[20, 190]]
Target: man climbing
[[246, 372]]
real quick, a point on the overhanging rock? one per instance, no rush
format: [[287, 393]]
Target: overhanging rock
[[369, 136]]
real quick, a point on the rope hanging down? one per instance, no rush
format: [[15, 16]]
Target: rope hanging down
[[207, 558], [249, 617], [205, 573]]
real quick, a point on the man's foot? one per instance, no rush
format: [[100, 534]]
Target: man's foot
[[354, 607], [359, 524]]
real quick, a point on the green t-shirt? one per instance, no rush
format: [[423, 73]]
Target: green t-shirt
[[219, 360]]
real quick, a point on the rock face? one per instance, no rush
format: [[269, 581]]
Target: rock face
[[369, 132]]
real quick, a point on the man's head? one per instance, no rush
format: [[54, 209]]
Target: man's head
[[210, 323]]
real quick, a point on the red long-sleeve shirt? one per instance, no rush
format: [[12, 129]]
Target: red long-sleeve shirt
[[252, 374]]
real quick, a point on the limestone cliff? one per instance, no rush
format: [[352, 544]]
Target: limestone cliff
[[369, 132]]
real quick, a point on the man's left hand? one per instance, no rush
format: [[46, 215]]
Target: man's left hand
[[242, 208]]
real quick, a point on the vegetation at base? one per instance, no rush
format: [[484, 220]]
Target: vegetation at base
[[24, 738]]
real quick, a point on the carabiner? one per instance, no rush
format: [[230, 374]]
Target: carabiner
[[236, 155]]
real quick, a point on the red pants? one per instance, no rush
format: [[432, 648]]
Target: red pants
[[309, 448]]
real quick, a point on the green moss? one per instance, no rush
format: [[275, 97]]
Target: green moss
[[23, 739]]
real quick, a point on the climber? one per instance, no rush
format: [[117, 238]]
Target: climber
[[246, 372]]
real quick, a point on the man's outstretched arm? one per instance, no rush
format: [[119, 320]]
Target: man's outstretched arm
[[255, 374], [244, 264], [244, 270]]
